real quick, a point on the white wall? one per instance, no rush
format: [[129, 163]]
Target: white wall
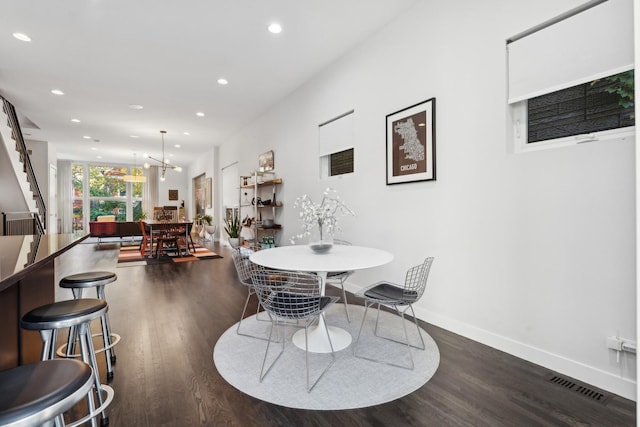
[[534, 253], [173, 181]]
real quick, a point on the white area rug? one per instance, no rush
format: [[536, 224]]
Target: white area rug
[[350, 383]]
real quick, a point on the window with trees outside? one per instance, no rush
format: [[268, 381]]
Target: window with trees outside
[[100, 190]]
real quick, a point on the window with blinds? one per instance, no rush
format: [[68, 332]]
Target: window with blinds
[[335, 144], [570, 79]]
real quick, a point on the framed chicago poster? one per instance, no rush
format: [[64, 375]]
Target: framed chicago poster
[[411, 143]]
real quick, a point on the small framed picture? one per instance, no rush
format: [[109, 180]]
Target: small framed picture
[[411, 143], [265, 161]]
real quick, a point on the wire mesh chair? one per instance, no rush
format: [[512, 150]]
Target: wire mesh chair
[[401, 298], [289, 296], [242, 263], [338, 278]]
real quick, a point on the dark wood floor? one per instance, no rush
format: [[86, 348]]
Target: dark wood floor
[[170, 316]]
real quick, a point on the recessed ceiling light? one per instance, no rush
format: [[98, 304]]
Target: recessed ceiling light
[[134, 136], [98, 157], [223, 82], [186, 133], [275, 28], [22, 37], [200, 114], [136, 106], [75, 120], [86, 137], [94, 148], [177, 145], [57, 92]]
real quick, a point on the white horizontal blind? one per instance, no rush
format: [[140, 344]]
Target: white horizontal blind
[[595, 43], [336, 134]]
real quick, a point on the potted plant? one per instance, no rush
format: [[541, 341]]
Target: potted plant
[[232, 228]]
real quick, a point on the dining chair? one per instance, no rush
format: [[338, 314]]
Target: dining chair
[[401, 298], [158, 213], [146, 245], [240, 256], [171, 213], [287, 297], [338, 278], [171, 242]]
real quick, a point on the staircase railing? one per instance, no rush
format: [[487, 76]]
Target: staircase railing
[[21, 223], [21, 147]]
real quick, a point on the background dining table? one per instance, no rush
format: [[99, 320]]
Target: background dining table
[[160, 225]]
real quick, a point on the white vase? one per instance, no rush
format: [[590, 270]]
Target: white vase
[[210, 230], [234, 241]]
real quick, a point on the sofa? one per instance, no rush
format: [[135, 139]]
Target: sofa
[[102, 228]]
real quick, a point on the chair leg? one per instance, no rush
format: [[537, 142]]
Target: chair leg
[[346, 303], [364, 316], [264, 373], [406, 342], [306, 343]]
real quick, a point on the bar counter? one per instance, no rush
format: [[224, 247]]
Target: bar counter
[[27, 280]]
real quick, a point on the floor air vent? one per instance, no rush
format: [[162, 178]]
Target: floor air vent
[[586, 391]]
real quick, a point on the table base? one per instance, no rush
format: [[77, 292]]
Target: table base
[[318, 342]]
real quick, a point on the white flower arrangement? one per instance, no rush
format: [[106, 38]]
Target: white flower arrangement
[[323, 215]]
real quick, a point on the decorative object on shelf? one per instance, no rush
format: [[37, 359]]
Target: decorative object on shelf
[[232, 228], [411, 143], [164, 163], [265, 161], [320, 221]]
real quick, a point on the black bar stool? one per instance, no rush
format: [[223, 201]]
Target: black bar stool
[[38, 393], [77, 283], [78, 314]]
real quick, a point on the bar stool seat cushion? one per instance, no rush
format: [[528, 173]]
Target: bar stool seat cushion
[[34, 393], [89, 279], [63, 313]]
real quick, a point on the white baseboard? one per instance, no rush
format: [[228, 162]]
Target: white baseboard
[[596, 377]]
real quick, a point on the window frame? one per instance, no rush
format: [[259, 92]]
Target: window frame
[[86, 199], [519, 120]]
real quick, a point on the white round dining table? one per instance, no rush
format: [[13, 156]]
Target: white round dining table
[[339, 258]]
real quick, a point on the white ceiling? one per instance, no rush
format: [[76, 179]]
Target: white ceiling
[[166, 56]]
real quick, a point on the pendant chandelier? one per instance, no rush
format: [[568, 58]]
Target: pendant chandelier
[[136, 174], [164, 163]]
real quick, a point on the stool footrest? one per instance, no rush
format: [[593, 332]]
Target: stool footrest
[[115, 339], [110, 393]]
